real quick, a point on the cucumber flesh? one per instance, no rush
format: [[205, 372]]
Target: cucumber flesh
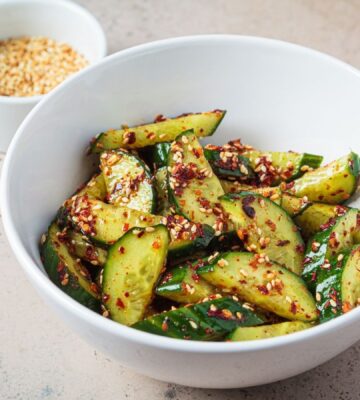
[[183, 285], [265, 228], [66, 271], [203, 124], [130, 275], [192, 186], [128, 181], [106, 223], [327, 244], [81, 247], [262, 283], [332, 184], [317, 216], [275, 167], [294, 205], [268, 331], [350, 283], [208, 321]]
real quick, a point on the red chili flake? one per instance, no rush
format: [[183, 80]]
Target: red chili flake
[[293, 307], [167, 277], [105, 297], [127, 294], [126, 227], [307, 260], [328, 224], [156, 245], [160, 118], [208, 331], [282, 243], [140, 234], [120, 303], [221, 314], [271, 225], [121, 249], [195, 277], [94, 288], [321, 197], [131, 137], [164, 325], [262, 289], [300, 248], [60, 267], [197, 152]]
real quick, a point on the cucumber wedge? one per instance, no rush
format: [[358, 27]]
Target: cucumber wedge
[[66, 271], [183, 285], [262, 283], [265, 228], [192, 186], [203, 124], [267, 331], [227, 164], [275, 167], [327, 244], [81, 247], [105, 223], [332, 184], [273, 193], [294, 205], [128, 181], [316, 216], [209, 320], [350, 282], [130, 275]]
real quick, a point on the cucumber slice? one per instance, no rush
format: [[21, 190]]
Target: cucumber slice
[[294, 205], [334, 183], [80, 246], [105, 223], [327, 244], [209, 320], [192, 186], [161, 191], [228, 164], [316, 217], [132, 269], [263, 283], [128, 181], [267, 331], [183, 285], [265, 228], [338, 287], [203, 124], [275, 167], [66, 271]]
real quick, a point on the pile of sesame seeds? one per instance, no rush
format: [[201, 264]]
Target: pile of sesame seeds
[[31, 66]]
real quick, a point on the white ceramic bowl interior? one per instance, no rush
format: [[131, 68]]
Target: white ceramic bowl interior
[[278, 96], [61, 20]]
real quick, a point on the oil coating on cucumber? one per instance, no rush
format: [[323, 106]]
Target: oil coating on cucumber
[[192, 186], [265, 228], [333, 184], [338, 286], [328, 243], [203, 124], [317, 216], [183, 285], [273, 193], [294, 205], [233, 166], [105, 223], [274, 167], [208, 321], [67, 271], [128, 181], [267, 331], [263, 283], [132, 269]]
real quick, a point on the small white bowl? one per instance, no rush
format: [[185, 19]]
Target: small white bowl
[[278, 96], [61, 20]]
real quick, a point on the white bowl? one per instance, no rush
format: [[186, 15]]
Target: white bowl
[[278, 96], [61, 20]]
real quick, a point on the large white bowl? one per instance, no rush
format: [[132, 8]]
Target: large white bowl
[[61, 20], [278, 96]]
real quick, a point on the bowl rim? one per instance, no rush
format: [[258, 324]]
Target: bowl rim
[[129, 334], [77, 9]]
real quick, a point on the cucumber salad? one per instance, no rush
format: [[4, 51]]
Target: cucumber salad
[[207, 242]]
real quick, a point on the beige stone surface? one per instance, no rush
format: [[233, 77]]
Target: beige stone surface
[[40, 358]]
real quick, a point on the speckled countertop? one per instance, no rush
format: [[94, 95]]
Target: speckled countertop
[[40, 358]]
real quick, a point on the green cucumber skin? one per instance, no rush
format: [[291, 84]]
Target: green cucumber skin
[[51, 262], [98, 145], [206, 325], [213, 156], [311, 160], [157, 155]]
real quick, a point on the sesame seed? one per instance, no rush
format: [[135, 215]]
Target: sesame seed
[[333, 303], [192, 323], [318, 296], [288, 299], [340, 257]]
